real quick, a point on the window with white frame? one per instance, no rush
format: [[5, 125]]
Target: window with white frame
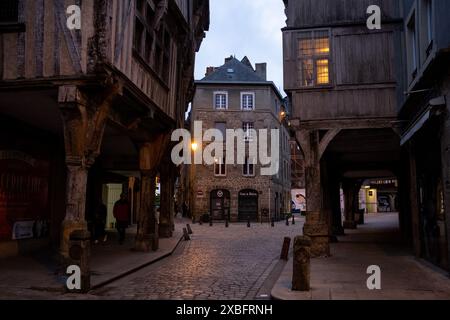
[[248, 128], [220, 168], [313, 56], [248, 168], [221, 100], [247, 101]]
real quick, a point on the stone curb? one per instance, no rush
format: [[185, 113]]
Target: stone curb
[[135, 269]]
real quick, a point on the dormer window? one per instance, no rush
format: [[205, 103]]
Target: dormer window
[[230, 70]]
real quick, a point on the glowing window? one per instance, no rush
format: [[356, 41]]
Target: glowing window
[[313, 56]]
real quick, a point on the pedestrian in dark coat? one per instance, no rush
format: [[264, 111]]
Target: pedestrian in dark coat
[[122, 214]]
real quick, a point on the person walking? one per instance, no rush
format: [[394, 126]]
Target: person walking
[[122, 214]]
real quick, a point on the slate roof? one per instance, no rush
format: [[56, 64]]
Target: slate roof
[[242, 71]]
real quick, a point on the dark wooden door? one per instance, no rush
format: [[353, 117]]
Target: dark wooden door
[[248, 205], [220, 204]]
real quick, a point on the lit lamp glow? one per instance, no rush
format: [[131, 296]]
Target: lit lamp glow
[[194, 146]]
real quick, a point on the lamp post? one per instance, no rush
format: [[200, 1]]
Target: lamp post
[[270, 212], [194, 147]]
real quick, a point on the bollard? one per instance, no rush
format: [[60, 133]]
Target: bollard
[[79, 253], [210, 221], [287, 221], [193, 219], [227, 224], [186, 235], [293, 219], [248, 223], [285, 250], [272, 222], [302, 264], [188, 227]]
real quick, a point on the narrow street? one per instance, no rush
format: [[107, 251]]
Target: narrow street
[[218, 264]]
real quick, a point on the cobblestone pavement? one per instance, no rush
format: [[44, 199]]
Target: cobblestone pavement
[[218, 264]]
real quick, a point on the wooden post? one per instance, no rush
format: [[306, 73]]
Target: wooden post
[[150, 156], [167, 190], [84, 124], [146, 216], [316, 224], [349, 199], [285, 250]]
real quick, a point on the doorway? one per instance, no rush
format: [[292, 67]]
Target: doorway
[[248, 205], [220, 204]]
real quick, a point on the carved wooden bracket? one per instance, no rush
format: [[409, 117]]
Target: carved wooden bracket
[[84, 120]]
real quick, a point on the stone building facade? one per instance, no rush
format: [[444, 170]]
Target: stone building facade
[[237, 96]]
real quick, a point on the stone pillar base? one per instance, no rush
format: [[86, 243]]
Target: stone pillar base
[[165, 231], [350, 225], [320, 239], [68, 226]]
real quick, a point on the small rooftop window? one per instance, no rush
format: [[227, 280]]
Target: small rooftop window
[[230, 70]]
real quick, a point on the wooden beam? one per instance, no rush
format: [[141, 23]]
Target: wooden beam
[[328, 124]]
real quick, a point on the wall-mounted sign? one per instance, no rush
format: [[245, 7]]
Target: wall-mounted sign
[[23, 230], [248, 193]]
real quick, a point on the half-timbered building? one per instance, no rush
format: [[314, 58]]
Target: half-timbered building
[[86, 108]]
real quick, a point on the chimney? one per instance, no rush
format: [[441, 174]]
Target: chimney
[[228, 59], [261, 70], [209, 70]]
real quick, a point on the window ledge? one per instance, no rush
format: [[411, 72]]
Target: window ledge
[[328, 86]]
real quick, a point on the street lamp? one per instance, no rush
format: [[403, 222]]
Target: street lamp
[[194, 146]]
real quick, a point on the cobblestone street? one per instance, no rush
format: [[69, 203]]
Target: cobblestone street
[[218, 263]]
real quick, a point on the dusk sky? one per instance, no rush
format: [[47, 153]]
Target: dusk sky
[[249, 28]]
